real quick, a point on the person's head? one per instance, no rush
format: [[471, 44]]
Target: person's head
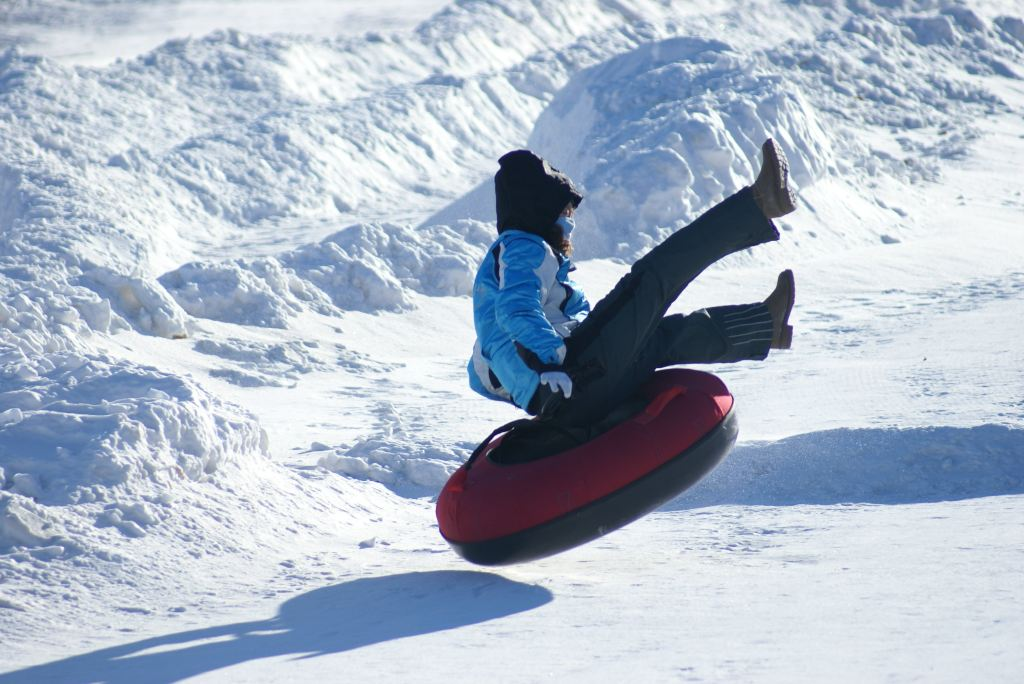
[[532, 195]]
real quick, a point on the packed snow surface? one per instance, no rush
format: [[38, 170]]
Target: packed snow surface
[[234, 320]]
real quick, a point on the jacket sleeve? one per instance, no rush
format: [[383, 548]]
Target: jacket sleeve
[[521, 289], [576, 305]]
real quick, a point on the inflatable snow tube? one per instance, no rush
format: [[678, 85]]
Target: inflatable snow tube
[[497, 513]]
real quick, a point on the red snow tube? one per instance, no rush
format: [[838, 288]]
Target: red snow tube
[[498, 513]]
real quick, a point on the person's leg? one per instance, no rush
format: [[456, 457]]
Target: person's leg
[[636, 305], [722, 334], [618, 329]]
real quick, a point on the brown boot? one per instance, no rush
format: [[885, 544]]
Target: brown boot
[[771, 189], [780, 305]]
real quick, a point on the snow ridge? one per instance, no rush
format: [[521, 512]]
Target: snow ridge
[[659, 134], [364, 267]]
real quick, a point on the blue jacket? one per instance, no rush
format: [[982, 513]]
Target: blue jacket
[[522, 294]]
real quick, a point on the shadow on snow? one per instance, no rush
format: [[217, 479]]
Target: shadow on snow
[[885, 466], [328, 620]]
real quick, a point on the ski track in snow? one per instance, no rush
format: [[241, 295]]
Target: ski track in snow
[[233, 328]]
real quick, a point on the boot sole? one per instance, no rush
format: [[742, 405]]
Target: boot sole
[[785, 337], [782, 197], [786, 278]]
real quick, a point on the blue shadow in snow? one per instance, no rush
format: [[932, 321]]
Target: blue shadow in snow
[[878, 465], [324, 621]]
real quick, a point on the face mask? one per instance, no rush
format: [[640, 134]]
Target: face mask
[[566, 224]]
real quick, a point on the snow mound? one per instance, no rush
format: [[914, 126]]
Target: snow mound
[[288, 358], [885, 466], [365, 267], [81, 426], [258, 292], [137, 168], [84, 430], [400, 462], [371, 266], [400, 458], [141, 301], [661, 133]]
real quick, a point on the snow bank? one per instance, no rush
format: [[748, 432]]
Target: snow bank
[[247, 291], [118, 175], [365, 267], [658, 134], [885, 466], [402, 462], [139, 167], [86, 421], [131, 171], [204, 137], [400, 458], [96, 32], [370, 266], [93, 430], [81, 427], [141, 301]]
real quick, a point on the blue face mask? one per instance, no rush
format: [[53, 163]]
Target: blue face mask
[[566, 224]]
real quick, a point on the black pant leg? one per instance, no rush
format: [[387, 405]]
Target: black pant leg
[[679, 339], [746, 330], [719, 334]]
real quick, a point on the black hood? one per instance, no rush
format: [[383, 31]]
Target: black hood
[[530, 194]]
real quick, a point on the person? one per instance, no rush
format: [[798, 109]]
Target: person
[[540, 345]]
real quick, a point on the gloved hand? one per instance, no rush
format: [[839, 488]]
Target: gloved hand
[[557, 381]]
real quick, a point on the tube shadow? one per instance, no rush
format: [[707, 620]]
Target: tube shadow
[[328, 620], [876, 465]]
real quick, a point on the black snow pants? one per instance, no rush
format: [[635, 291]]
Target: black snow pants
[[627, 334]]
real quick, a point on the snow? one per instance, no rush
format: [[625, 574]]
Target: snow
[[234, 320], [96, 32], [869, 465]]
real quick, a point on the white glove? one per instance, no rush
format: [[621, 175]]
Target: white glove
[[558, 382]]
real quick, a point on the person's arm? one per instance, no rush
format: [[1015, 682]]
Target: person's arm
[[576, 305], [518, 308]]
